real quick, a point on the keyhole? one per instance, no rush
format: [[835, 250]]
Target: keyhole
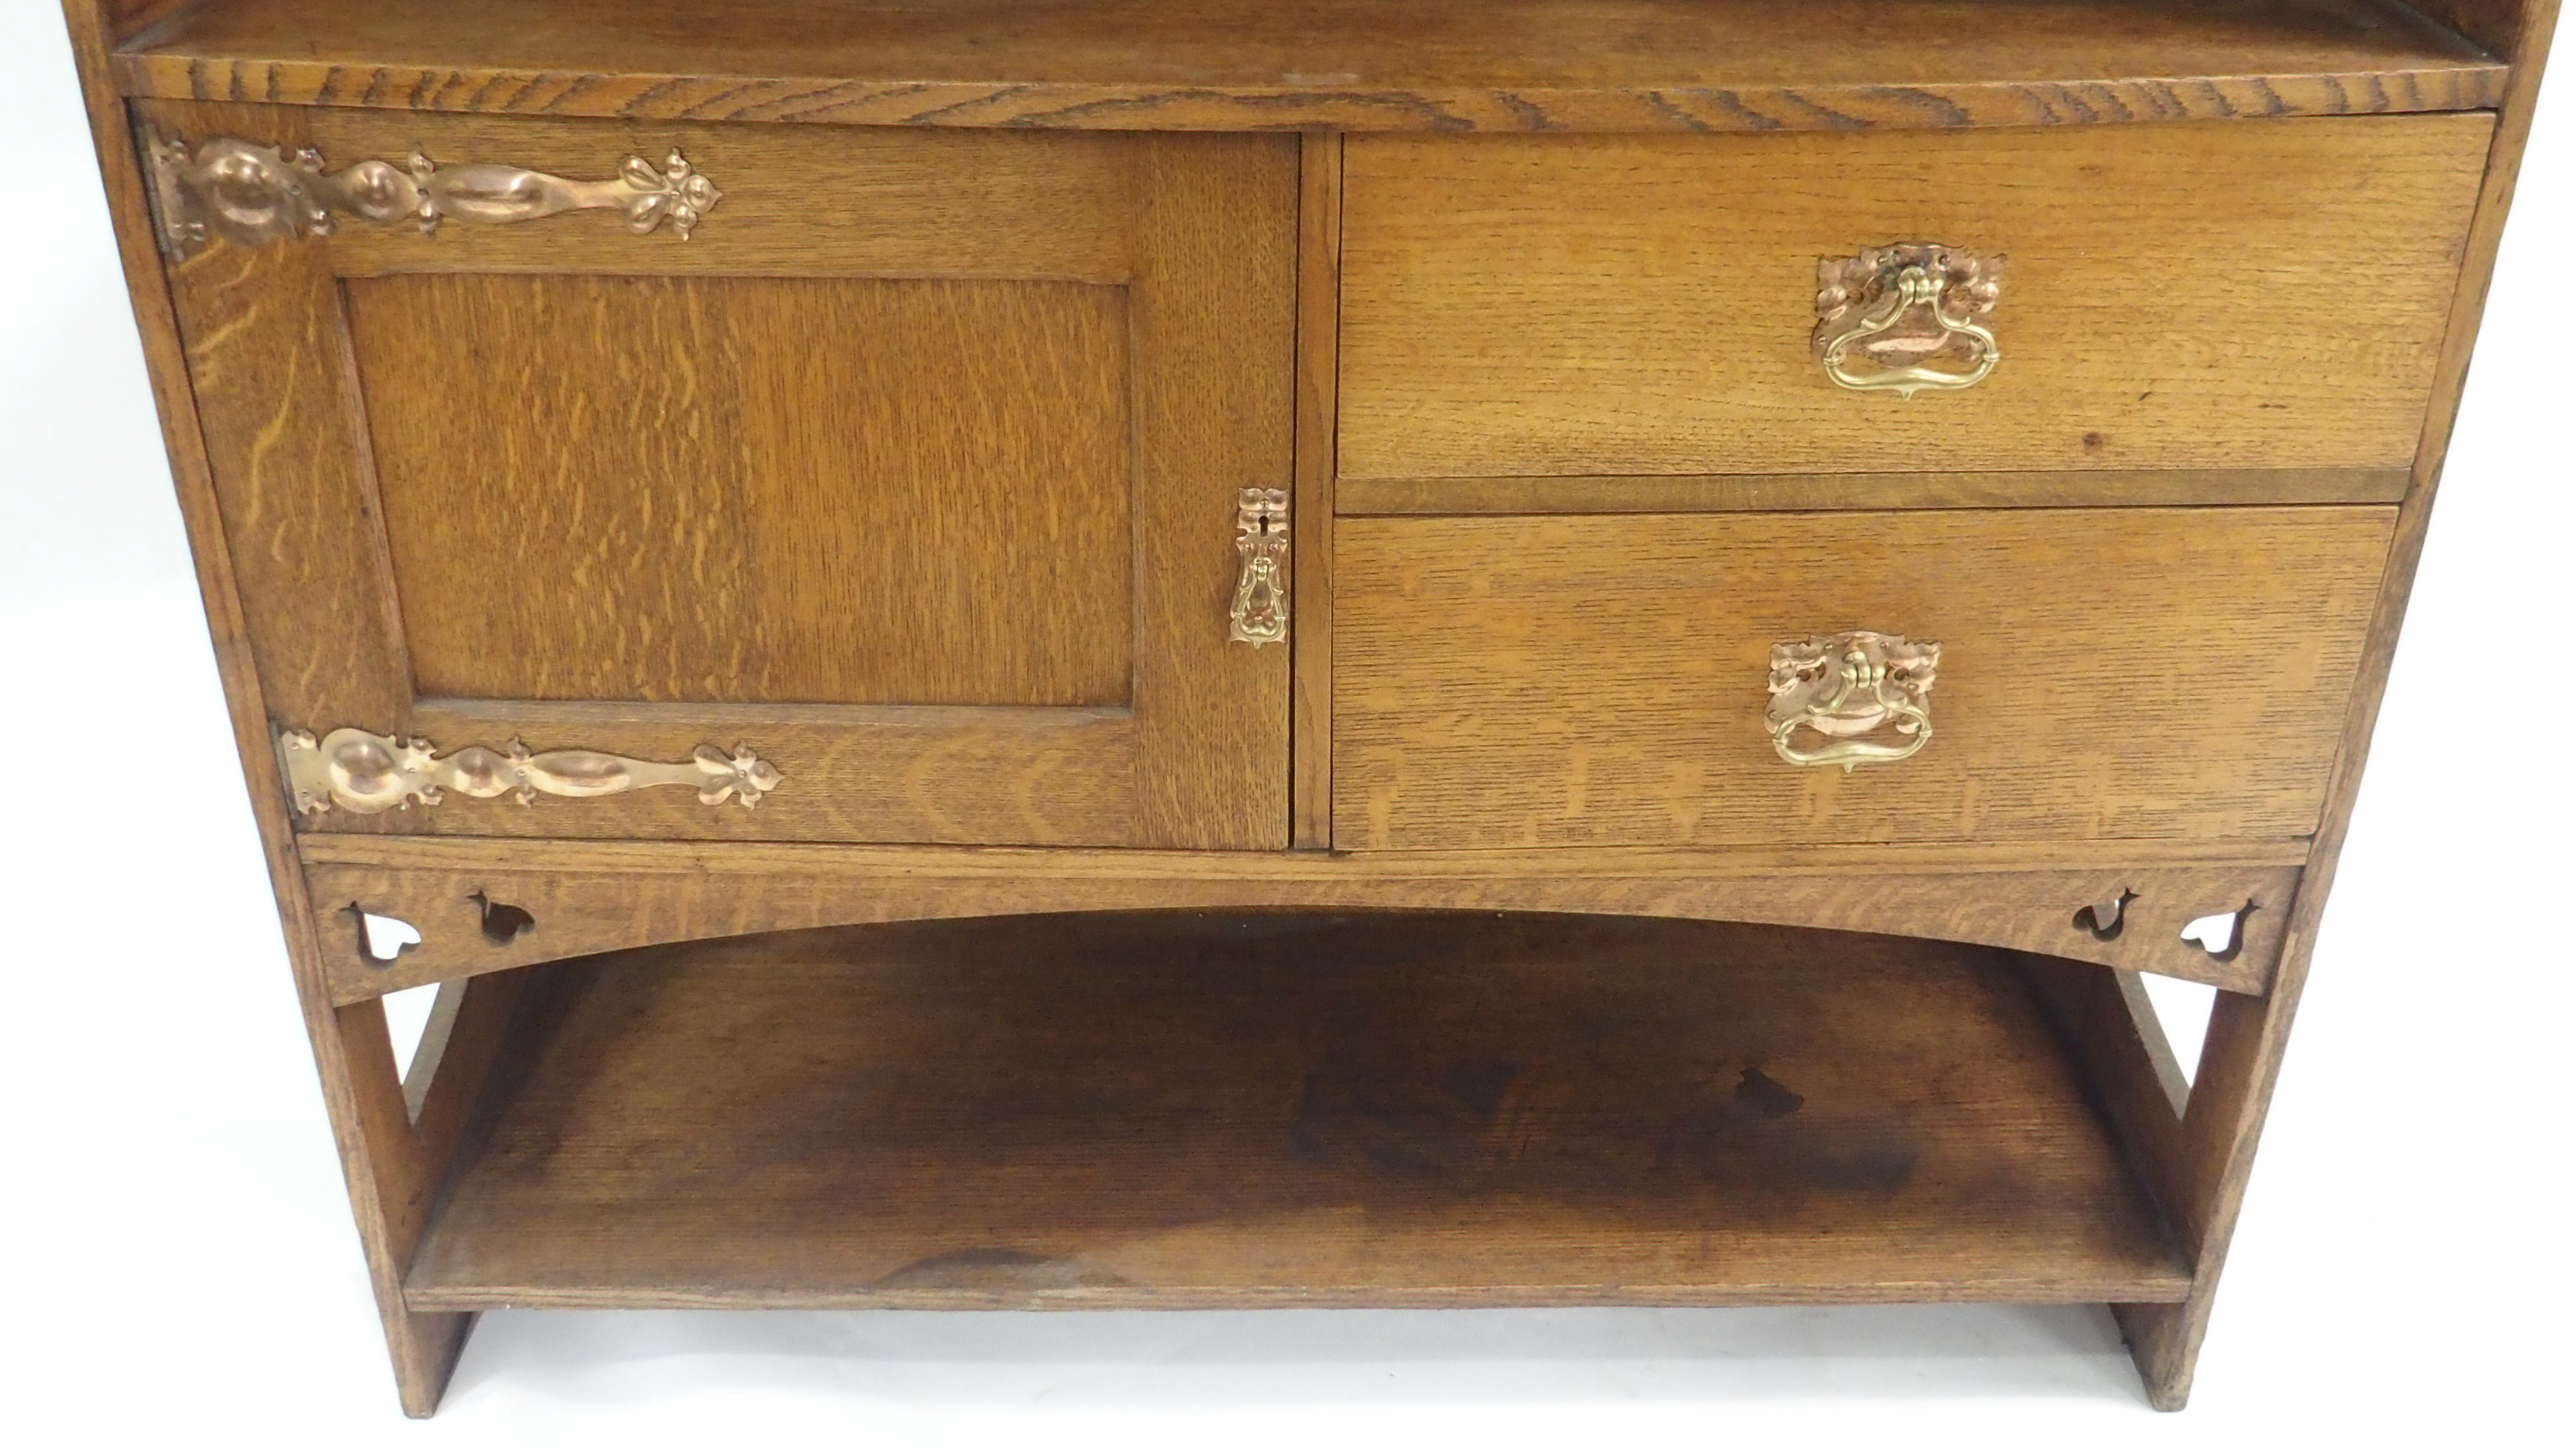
[[2105, 918]]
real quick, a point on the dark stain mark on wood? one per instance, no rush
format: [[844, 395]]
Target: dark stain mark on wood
[[1765, 1095], [996, 1269], [1030, 1105], [1480, 1086]]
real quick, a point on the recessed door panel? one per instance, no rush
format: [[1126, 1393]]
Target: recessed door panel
[[755, 489], [901, 496]]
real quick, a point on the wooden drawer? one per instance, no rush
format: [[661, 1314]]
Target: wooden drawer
[[2104, 674], [2241, 296]]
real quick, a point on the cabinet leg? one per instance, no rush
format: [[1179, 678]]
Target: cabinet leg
[[425, 1347], [394, 1161], [2163, 1343], [2196, 1162]]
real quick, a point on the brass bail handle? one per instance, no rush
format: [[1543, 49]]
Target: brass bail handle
[[1260, 612], [1865, 693], [1899, 308]]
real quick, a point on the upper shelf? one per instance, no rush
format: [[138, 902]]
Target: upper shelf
[[1370, 65]]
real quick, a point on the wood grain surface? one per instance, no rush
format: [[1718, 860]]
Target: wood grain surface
[[2511, 30], [2105, 674], [1200, 1111], [918, 774], [1319, 319], [952, 552], [1820, 492], [268, 358], [2184, 296], [694, 490], [2248, 1039], [619, 897], [276, 364], [422, 1347], [1431, 65], [835, 202]]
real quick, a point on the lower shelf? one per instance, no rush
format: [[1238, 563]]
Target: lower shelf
[[1206, 1111]]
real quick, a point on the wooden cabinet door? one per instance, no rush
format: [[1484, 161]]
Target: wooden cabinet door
[[912, 470]]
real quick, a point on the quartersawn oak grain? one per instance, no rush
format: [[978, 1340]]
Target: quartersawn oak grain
[[2261, 296], [2195, 1169], [2105, 674], [798, 202], [673, 471], [1819, 492], [2241, 1062], [1173, 1110], [1431, 65], [1319, 310], [583, 900], [1015, 488], [383, 1164]]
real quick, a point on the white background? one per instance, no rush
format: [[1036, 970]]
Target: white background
[[180, 1260]]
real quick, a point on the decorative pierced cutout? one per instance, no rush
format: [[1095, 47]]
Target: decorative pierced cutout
[[2105, 918], [502, 923], [2222, 935], [382, 938]]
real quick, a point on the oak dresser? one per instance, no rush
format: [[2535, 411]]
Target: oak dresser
[[1082, 653]]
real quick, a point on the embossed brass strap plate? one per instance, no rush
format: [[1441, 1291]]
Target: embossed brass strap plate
[[249, 194], [1908, 317], [370, 773], [1260, 612], [1864, 693]]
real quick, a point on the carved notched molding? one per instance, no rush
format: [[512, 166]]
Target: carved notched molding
[[368, 773], [249, 194]]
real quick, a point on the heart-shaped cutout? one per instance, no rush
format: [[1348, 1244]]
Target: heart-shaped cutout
[[2221, 935], [383, 937]]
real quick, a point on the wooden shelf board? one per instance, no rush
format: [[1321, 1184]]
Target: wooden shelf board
[[1395, 65], [1178, 1110]]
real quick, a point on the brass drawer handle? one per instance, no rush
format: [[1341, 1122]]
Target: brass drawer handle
[[1900, 309], [1260, 610], [1846, 686], [249, 194]]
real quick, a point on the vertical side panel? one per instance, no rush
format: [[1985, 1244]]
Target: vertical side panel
[[1214, 308], [267, 350], [2241, 1060], [1319, 319], [423, 1346]]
